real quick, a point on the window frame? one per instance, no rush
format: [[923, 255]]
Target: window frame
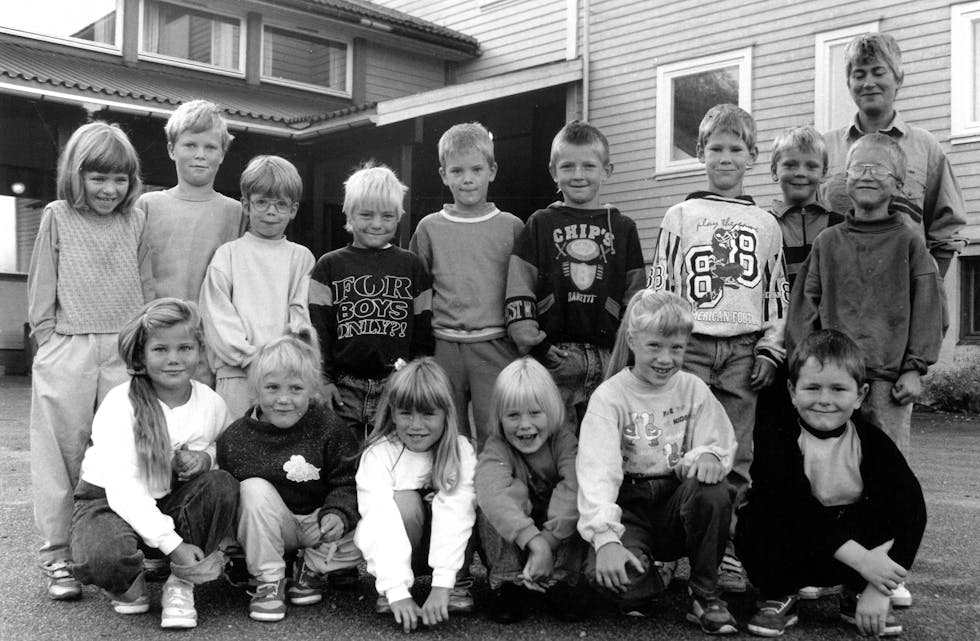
[[964, 126], [315, 34], [823, 81], [741, 58], [143, 54], [969, 277], [114, 49]]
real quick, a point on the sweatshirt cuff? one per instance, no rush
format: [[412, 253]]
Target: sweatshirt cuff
[[525, 535], [170, 542], [399, 593], [602, 538], [443, 578]]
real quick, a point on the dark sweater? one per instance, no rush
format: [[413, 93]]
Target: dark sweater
[[311, 464]]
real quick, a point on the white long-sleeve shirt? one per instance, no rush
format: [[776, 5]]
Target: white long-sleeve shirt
[[387, 467], [632, 428], [111, 461]]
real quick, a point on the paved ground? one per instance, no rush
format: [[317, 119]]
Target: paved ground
[[947, 592]]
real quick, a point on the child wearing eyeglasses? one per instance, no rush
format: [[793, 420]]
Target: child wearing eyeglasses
[[256, 287], [873, 279]]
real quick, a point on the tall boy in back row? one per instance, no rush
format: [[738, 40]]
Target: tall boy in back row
[[723, 254], [574, 269]]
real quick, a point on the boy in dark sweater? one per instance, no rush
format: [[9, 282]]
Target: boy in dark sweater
[[295, 461]]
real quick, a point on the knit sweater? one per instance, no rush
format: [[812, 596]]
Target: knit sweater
[[633, 428], [255, 290], [725, 255], [876, 282], [182, 235], [468, 259], [524, 495], [86, 271], [571, 276], [370, 307], [311, 464]]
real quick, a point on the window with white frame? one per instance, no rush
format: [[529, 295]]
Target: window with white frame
[[310, 61], [95, 24], [833, 107], [192, 37], [970, 299], [965, 70], [685, 91]]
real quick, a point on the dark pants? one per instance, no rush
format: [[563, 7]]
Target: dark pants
[[665, 519], [107, 550], [505, 561]]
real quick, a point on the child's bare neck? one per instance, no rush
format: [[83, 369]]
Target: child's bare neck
[[471, 211], [185, 190], [730, 192]]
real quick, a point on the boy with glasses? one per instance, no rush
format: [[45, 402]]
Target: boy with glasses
[[256, 287]]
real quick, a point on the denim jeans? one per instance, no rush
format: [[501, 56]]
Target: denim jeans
[[505, 561], [665, 519], [725, 364], [880, 409], [577, 375], [360, 397], [108, 551]]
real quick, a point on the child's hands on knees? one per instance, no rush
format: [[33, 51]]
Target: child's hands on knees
[[331, 396], [879, 570], [187, 554], [872, 611], [331, 527], [406, 612], [436, 607], [189, 463], [763, 373], [540, 564], [908, 388], [610, 566], [707, 469]]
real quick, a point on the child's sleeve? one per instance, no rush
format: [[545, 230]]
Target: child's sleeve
[[635, 278], [521, 293], [900, 494], [771, 344], [803, 317], [42, 279], [381, 535], [927, 311], [143, 257], [563, 508], [599, 469], [421, 244], [667, 269], [453, 516], [223, 327], [502, 497], [423, 341], [299, 294], [708, 430], [944, 212], [339, 453], [322, 313]]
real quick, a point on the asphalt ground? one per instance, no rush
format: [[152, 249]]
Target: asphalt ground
[[945, 581]]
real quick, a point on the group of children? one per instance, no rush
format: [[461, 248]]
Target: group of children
[[504, 388]]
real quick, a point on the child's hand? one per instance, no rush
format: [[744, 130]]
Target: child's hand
[[187, 554], [872, 611], [879, 570], [331, 528], [406, 613], [189, 463], [907, 388], [540, 564], [554, 357], [707, 469], [436, 607], [610, 566], [763, 373], [331, 396]]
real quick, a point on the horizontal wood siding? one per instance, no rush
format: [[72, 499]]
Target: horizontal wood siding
[[393, 73]]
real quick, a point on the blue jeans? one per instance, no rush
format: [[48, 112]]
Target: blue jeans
[[725, 364], [577, 375], [360, 397], [505, 561], [108, 551]]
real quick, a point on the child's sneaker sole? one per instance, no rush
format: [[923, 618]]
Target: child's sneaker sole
[[901, 597], [814, 592], [177, 622], [769, 632], [267, 616]]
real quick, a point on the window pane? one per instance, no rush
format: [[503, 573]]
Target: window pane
[[300, 58], [91, 20], [192, 35], [971, 275], [693, 95], [841, 105], [20, 219]]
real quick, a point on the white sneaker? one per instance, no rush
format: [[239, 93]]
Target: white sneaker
[[177, 601], [901, 597], [814, 592], [134, 600]]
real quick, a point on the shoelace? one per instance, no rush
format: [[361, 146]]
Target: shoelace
[[180, 597], [264, 590], [59, 570]]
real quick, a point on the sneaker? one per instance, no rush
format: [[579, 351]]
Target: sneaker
[[901, 597], [306, 588], [177, 602], [268, 601], [62, 586], [567, 602], [712, 615], [346, 579], [774, 616], [134, 600], [381, 606], [460, 601], [814, 592], [848, 607], [508, 604], [731, 574]]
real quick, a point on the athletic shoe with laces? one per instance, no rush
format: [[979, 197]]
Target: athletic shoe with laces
[[177, 603], [711, 613], [848, 607], [134, 600], [306, 588], [774, 616], [901, 597], [62, 586], [460, 600], [731, 574], [268, 601], [814, 592]]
